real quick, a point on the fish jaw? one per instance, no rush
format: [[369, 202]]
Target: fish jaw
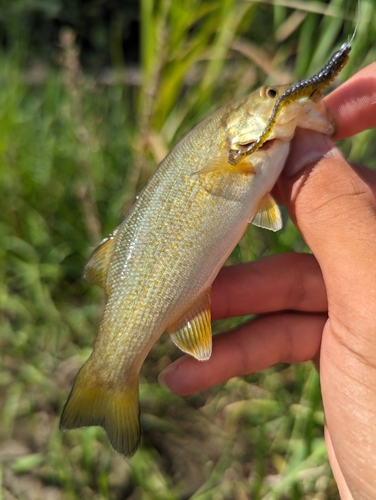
[[304, 113], [316, 116]]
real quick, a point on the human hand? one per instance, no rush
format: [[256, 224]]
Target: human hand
[[320, 307]]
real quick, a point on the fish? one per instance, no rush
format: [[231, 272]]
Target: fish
[[157, 267]]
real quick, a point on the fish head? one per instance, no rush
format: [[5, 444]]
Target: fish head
[[247, 119]]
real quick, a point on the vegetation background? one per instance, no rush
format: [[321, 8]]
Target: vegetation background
[[92, 96]]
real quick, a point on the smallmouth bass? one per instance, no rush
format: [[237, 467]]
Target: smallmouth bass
[[158, 266]]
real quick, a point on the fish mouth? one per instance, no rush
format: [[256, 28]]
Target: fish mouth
[[267, 145], [235, 155]]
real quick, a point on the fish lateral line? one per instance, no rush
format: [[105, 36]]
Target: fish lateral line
[[306, 87]]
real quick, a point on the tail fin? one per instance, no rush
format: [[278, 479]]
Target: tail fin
[[115, 409]]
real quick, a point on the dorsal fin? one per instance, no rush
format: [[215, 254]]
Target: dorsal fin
[[96, 269]]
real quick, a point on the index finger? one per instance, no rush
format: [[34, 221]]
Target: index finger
[[290, 281], [353, 104]]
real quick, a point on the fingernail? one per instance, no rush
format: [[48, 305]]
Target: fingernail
[[161, 379], [306, 148], [168, 372]]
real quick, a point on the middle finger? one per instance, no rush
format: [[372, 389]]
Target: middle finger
[[289, 281]]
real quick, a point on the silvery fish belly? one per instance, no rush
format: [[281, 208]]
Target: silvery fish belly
[[157, 267]]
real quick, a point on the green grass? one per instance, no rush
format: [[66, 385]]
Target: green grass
[[73, 155]]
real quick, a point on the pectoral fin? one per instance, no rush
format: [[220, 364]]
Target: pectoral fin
[[96, 269], [268, 214], [193, 333], [221, 179], [217, 165]]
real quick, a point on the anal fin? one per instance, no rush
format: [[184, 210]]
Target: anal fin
[[193, 332]]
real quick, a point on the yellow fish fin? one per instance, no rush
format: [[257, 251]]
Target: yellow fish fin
[[221, 179], [115, 409], [96, 269], [268, 214], [220, 164], [193, 333]]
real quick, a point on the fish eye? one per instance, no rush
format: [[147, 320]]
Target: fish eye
[[270, 92]]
